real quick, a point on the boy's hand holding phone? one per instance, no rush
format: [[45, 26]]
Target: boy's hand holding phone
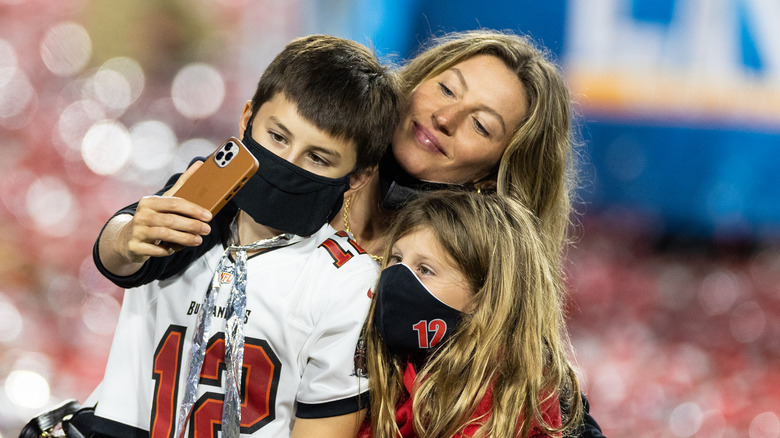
[[163, 224], [175, 221]]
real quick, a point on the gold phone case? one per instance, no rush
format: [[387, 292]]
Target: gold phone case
[[221, 175]]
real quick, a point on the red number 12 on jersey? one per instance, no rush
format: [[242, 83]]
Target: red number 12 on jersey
[[259, 381]]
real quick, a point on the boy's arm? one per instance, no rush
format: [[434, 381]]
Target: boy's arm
[[127, 241], [335, 427], [155, 268]]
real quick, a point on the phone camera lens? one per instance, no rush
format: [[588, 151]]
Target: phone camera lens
[[228, 156], [228, 146], [219, 156]]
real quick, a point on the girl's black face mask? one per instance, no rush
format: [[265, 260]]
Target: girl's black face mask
[[285, 197], [408, 317]]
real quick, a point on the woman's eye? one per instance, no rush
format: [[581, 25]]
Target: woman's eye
[[481, 128], [445, 90]]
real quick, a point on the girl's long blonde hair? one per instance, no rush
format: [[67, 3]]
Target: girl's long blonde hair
[[515, 341], [538, 165]]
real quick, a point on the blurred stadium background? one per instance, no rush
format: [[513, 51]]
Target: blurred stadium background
[[675, 276]]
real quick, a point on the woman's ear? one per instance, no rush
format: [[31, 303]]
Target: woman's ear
[[358, 179]]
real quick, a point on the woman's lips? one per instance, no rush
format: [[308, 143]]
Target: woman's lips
[[426, 139]]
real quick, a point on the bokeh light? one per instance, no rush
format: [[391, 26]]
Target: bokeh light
[[748, 321], [11, 322], [75, 121], [66, 48], [17, 98], [106, 147], [765, 270], [65, 295], [27, 389], [52, 207], [686, 420], [100, 314], [112, 89], [8, 62], [765, 425], [718, 292], [198, 91], [154, 143], [196, 147], [131, 71]]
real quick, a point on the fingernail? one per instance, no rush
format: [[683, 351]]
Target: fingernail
[[207, 216], [205, 229]]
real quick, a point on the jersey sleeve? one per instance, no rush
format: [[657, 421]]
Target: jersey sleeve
[[329, 385], [161, 268], [126, 390]]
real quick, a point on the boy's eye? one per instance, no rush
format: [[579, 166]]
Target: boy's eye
[[394, 259], [318, 159], [275, 136], [445, 90]]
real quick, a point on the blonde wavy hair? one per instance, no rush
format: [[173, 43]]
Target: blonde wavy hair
[[538, 165], [514, 342]]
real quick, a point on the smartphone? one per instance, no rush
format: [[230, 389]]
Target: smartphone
[[221, 175]]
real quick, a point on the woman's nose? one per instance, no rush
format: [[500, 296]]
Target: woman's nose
[[445, 119]]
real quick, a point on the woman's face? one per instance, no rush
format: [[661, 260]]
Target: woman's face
[[459, 123]]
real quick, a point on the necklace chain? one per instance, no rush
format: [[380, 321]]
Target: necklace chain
[[346, 225]]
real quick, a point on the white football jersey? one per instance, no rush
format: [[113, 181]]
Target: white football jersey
[[306, 304]]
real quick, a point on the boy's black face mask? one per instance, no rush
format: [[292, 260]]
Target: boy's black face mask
[[285, 197]]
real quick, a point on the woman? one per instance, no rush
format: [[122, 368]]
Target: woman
[[487, 110], [466, 335]]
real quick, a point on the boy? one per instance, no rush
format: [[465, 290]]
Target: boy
[[321, 117]]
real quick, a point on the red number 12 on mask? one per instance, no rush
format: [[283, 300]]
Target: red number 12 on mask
[[422, 328]]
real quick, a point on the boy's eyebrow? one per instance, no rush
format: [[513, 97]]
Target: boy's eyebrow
[[281, 126], [488, 109], [334, 154]]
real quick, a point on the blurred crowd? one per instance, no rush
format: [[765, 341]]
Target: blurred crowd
[[100, 101], [99, 104], [675, 337]]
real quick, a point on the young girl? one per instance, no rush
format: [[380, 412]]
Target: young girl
[[466, 335]]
